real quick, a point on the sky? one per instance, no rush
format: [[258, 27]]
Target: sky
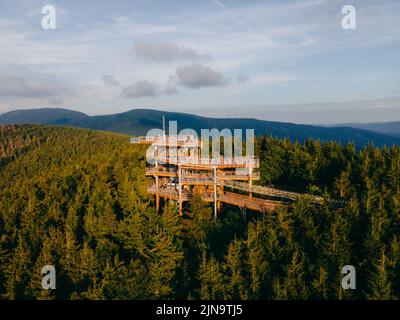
[[284, 60]]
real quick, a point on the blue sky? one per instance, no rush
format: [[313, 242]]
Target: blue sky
[[277, 60]]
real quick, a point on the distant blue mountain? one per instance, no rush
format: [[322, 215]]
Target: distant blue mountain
[[390, 128]]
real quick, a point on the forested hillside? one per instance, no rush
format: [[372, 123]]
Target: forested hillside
[[76, 199]]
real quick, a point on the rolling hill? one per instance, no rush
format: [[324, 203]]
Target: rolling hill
[[139, 121]]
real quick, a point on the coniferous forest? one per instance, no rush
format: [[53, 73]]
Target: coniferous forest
[[76, 199]]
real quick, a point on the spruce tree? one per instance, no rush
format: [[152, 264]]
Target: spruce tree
[[378, 281]]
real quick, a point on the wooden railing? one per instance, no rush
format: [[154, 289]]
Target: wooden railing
[[161, 170], [168, 193], [197, 180], [188, 140], [188, 176], [267, 191], [238, 174], [217, 161]]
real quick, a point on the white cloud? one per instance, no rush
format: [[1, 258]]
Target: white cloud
[[243, 78], [165, 51], [170, 90], [33, 86], [273, 78], [110, 81], [140, 89], [196, 75]]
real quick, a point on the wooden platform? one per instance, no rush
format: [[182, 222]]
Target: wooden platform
[[166, 141], [198, 177], [209, 162]]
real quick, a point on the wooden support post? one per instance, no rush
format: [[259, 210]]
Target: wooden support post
[[215, 193], [180, 190], [157, 186], [243, 211], [220, 191], [250, 182], [157, 196]]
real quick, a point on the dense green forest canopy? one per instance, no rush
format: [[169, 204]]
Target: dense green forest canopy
[[76, 199]]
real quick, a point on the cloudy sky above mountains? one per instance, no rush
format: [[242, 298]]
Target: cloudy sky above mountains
[[278, 60]]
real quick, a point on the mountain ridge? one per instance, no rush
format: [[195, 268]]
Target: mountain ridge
[[389, 128], [140, 121]]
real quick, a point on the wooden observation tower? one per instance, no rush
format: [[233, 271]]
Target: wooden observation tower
[[179, 171]]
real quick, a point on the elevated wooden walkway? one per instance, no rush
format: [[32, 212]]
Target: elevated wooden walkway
[[267, 191], [239, 200], [251, 203]]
